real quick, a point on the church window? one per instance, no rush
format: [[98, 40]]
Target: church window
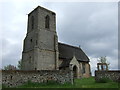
[[30, 40], [83, 67], [47, 21], [30, 59], [36, 42], [32, 22]]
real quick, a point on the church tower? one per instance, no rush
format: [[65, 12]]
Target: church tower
[[40, 50]]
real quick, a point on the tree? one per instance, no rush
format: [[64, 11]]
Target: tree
[[10, 67], [19, 64], [103, 62]]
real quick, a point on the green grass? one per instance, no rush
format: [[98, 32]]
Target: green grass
[[90, 83], [78, 83]]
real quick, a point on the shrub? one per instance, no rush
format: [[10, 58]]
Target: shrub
[[104, 80], [51, 82], [3, 86]]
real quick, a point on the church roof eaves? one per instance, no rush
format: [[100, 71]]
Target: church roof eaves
[[66, 52]]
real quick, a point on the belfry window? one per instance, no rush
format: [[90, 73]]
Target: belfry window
[[31, 40], [32, 22], [47, 21], [36, 42], [30, 59]]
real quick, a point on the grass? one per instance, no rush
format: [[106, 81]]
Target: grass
[[104, 80], [78, 83], [90, 83]]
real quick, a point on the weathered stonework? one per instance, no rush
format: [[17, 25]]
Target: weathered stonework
[[75, 63], [40, 50], [15, 78], [87, 71], [113, 75]]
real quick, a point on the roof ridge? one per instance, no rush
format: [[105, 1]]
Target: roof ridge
[[69, 45]]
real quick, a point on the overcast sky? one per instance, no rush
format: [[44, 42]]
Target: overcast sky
[[92, 25]]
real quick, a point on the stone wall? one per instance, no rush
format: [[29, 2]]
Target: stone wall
[[87, 71], [113, 75], [14, 78]]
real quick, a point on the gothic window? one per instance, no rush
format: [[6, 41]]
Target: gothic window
[[32, 22], [30, 59], [31, 40], [47, 21], [83, 67], [36, 42]]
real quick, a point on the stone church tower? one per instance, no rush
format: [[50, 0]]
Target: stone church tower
[[40, 51]]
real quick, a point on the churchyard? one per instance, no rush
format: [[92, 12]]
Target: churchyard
[[78, 83]]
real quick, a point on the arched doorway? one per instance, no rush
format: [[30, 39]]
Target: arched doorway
[[75, 71]]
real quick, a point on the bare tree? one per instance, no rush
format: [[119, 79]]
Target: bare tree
[[103, 60]]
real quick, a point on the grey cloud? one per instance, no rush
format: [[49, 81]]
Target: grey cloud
[[78, 30], [93, 26], [10, 53]]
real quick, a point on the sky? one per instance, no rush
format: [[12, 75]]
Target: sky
[[92, 25]]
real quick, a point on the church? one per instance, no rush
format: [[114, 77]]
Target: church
[[42, 51]]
